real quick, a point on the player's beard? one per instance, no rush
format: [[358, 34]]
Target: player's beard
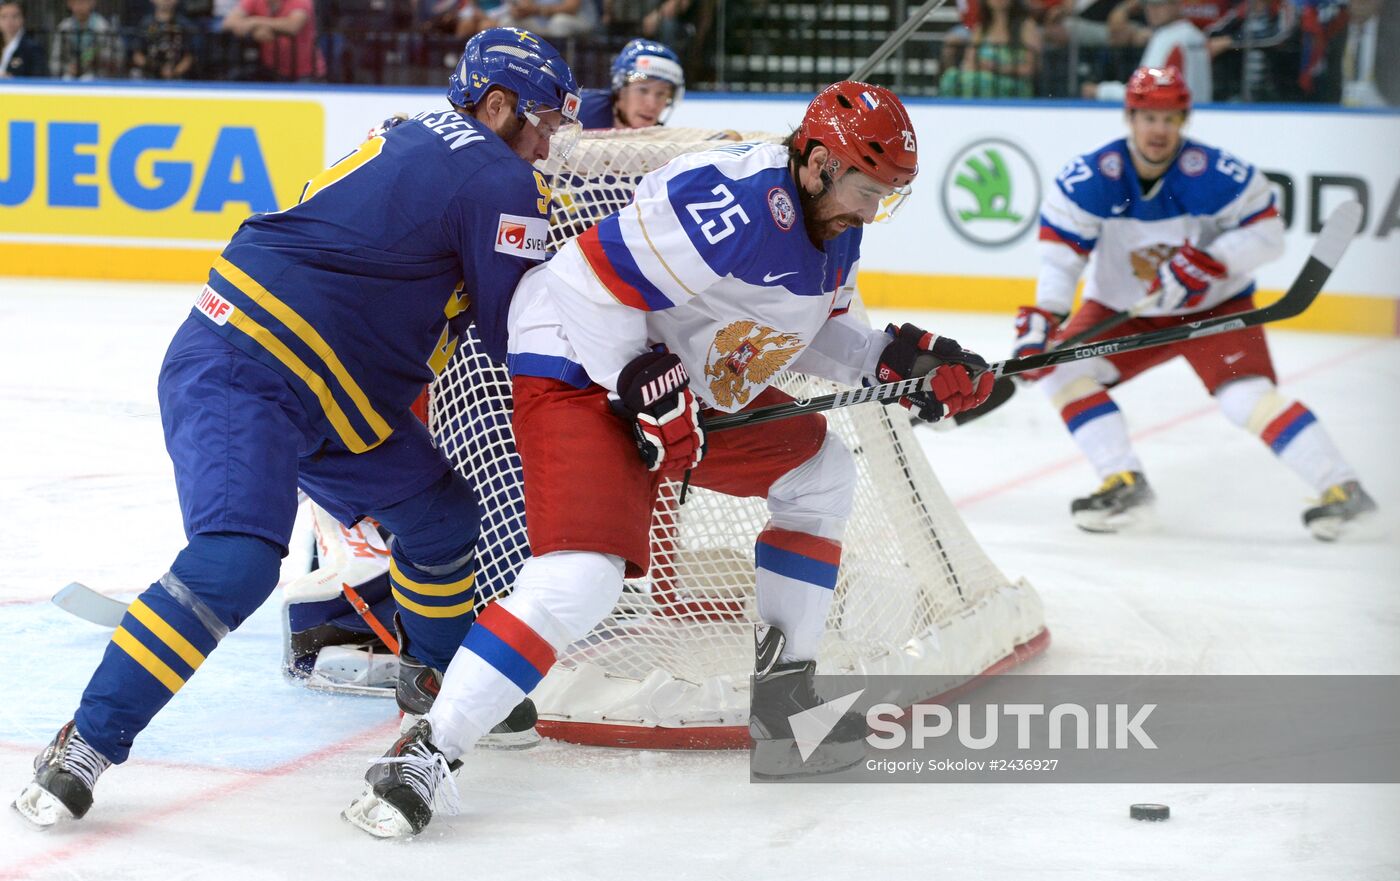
[[819, 228]]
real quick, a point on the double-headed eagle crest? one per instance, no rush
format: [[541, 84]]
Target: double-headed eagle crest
[[1146, 260], [745, 352]]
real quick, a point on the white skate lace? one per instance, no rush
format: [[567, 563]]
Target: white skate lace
[[82, 761], [429, 775]]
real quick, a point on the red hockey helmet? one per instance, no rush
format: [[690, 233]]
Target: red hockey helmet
[[865, 127], [1158, 88]]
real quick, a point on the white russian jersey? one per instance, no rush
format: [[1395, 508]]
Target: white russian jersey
[[1096, 213], [711, 261]]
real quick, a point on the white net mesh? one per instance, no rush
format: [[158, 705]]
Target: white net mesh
[[670, 666]]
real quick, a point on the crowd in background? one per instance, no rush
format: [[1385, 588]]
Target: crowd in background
[[1325, 51]]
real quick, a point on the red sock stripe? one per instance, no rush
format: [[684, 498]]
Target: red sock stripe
[[1281, 423], [1075, 408], [813, 547], [518, 635]]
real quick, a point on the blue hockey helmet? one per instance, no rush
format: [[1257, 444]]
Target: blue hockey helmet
[[520, 61], [648, 60]]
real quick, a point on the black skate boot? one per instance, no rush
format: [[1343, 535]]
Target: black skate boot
[[1340, 505], [782, 691], [64, 776], [418, 686], [1124, 499], [403, 786]]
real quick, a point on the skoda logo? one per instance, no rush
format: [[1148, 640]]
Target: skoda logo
[[991, 192]]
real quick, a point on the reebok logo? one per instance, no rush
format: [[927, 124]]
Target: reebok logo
[[810, 727]]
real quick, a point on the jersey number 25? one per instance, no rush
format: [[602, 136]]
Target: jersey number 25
[[731, 210]]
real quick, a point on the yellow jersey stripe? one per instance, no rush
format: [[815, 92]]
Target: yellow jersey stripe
[[307, 334], [123, 640], [433, 611], [167, 634], [462, 585], [268, 340]]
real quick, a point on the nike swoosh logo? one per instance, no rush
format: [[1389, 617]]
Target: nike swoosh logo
[[1118, 209], [770, 277], [1231, 359]]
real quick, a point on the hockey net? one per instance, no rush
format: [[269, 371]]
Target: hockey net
[[670, 667]]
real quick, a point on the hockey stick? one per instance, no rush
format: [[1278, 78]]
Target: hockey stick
[[1331, 244], [86, 603], [1006, 387]]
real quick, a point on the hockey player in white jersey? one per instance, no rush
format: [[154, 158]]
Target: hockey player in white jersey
[[1157, 214], [727, 267]]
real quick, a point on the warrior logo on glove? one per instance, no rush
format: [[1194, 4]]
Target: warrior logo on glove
[[653, 393]]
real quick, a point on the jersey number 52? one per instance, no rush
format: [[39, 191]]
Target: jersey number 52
[[731, 210]]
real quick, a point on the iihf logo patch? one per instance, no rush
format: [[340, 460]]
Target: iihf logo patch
[[1111, 166], [869, 100], [1193, 162], [780, 205]]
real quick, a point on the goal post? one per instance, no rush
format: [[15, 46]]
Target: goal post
[[669, 668]]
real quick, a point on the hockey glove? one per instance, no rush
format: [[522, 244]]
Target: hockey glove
[[653, 393], [1034, 328], [1183, 281], [959, 382]]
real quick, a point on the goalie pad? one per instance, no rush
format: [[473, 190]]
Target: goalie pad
[[327, 644]]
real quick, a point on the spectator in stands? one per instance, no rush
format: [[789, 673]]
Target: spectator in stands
[[20, 54], [647, 83], [1001, 56], [1169, 39], [1323, 25], [85, 45], [164, 46], [555, 19], [286, 33]]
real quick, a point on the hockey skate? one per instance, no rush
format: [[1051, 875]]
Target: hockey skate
[[1343, 504], [64, 776], [402, 788], [781, 691], [1123, 500], [418, 686]]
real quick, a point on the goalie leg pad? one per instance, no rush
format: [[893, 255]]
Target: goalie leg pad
[[167, 632]]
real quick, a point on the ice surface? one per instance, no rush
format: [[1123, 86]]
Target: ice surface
[[243, 775]]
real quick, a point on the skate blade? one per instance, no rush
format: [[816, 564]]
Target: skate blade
[[1138, 519], [509, 740], [781, 760], [40, 807], [377, 817], [1362, 526]]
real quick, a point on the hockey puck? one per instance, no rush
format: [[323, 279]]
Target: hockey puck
[[1149, 812]]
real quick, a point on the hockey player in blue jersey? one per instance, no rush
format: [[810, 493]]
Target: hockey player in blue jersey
[[1173, 230], [647, 84], [317, 329]]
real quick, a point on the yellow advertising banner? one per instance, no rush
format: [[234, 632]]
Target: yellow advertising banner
[[146, 173]]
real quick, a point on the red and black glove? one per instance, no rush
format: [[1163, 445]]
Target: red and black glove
[[653, 393], [1035, 327], [1183, 281], [960, 379]]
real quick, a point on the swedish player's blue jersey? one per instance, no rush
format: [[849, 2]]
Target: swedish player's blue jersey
[[359, 293], [596, 109]]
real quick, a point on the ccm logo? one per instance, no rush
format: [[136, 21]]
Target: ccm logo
[[664, 384], [213, 305]]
